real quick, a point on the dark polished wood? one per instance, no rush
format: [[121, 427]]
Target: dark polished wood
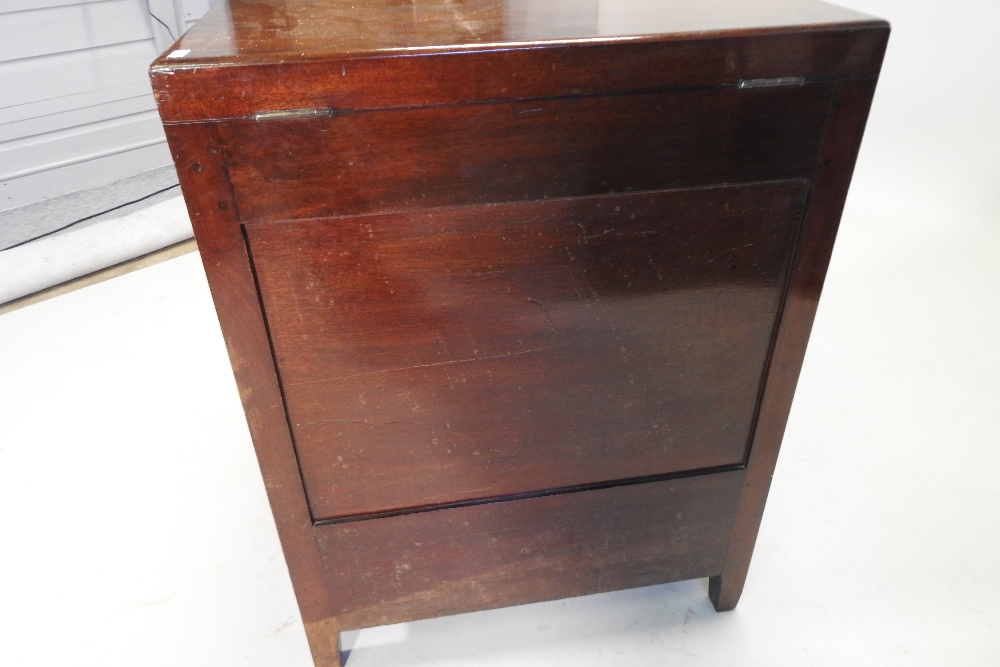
[[254, 31], [841, 142], [516, 293], [501, 554], [224, 255], [439, 156], [445, 356], [550, 69]]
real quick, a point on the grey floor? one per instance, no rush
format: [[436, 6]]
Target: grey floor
[[77, 210], [49, 243]]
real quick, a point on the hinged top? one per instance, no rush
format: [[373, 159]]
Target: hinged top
[[269, 57], [277, 30]]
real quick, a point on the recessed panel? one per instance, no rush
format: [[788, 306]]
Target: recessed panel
[[471, 353]]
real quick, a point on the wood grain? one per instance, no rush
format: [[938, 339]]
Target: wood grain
[[486, 556], [479, 352], [224, 256], [187, 93], [514, 254], [418, 158], [254, 30], [841, 143]]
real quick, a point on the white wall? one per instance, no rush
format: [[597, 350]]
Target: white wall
[[76, 109], [933, 138]]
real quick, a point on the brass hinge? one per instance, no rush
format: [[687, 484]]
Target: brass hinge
[[292, 114], [771, 83]]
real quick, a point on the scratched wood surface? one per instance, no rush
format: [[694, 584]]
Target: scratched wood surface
[[188, 92], [479, 352], [255, 30], [486, 556], [436, 156], [224, 255], [841, 144], [381, 54]]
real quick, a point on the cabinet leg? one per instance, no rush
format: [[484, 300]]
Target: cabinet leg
[[725, 589], [324, 642]]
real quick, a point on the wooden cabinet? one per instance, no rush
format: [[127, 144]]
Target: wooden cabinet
[[516, 294]]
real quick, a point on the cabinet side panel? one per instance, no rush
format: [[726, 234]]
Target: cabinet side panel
[[224, 254], [486, 556], [842, 140]]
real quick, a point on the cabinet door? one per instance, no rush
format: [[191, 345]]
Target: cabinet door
[[470, 353]]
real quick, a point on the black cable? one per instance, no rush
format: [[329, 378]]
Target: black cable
[[90, 217], [149, 10]]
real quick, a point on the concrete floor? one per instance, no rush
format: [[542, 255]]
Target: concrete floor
[[83, 208], [92, 246], [136, 530]]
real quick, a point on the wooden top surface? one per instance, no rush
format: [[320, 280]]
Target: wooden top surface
[[282, 30]]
